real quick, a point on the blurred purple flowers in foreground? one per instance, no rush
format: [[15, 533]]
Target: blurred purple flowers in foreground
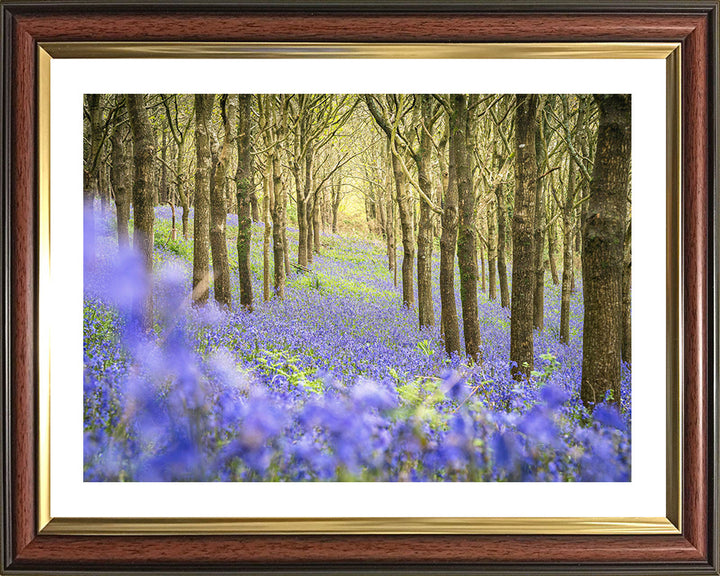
[[335, 383]]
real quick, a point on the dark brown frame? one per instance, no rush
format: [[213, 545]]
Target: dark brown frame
[[26, 23]]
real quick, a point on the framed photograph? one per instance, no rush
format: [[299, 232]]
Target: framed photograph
[[329, 288]]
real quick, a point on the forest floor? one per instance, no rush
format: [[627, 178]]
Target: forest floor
[[334, 382]]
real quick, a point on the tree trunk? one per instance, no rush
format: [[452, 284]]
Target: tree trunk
[[483, 284], [201, 227], [426, 312], [448, 245], [552, 247], [90, 164], [218, 206], [492, 252], [603, 243], [143, 207], [309, 229], [407, 233], [267, 202], [279, 212], [568, 277], [538, 242], [335, 206], [390, 209], [467, 251], [501, 238], [303, 200], [104, 187], [163, 195], [182, 194], [120, 177], [627, 297], [245, 192], [380, 213], [523, 274], [316, 223]]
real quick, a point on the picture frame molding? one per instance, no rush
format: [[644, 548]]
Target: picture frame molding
[[32, 541]]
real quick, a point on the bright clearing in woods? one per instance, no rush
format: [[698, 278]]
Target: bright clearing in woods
[[385, 287]]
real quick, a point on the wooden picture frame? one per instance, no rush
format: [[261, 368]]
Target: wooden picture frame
[[30, 545]]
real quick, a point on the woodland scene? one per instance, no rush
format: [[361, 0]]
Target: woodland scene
[[357, 287]]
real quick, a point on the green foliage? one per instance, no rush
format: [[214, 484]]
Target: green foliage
[[548, 369], [424, 348], [287, 363]]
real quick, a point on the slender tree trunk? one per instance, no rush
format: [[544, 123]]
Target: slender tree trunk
[[303, 209], [286, 246], [448, 245], [523, 279], [163, 195], [483, 285], [218, 207], [91, 162], [552, 247], [492, 252], [245, 191], [316, 223], [181, 193], [104, 187], [302, 230], [201, 228], [143, 184], [501, 243], [539, 240], [603, 243], [627, 296], [277, 229], [309, 229], [380, 213], [120, 177], [426, 312], [390, 209], [568, 277], [267, 201], [466, 244], [279, 214], [407, 233], [335, 206]]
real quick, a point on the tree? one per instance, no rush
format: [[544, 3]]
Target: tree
[[425, 229], [179, 133], [94, 148], [541, 165], [492, 249], [317, 119], [244, 178], [278, 114], [396, 108], [603, 245], [501, 166], [120, 175], [218, 206], [201, 229], [448, 246], [467, 251], [523, 274], [501, 245], [143, 186], [627, 297], [567, 218]]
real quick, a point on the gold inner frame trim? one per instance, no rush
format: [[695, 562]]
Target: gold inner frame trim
[[288, 526], [567, 50], [671, 524]]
